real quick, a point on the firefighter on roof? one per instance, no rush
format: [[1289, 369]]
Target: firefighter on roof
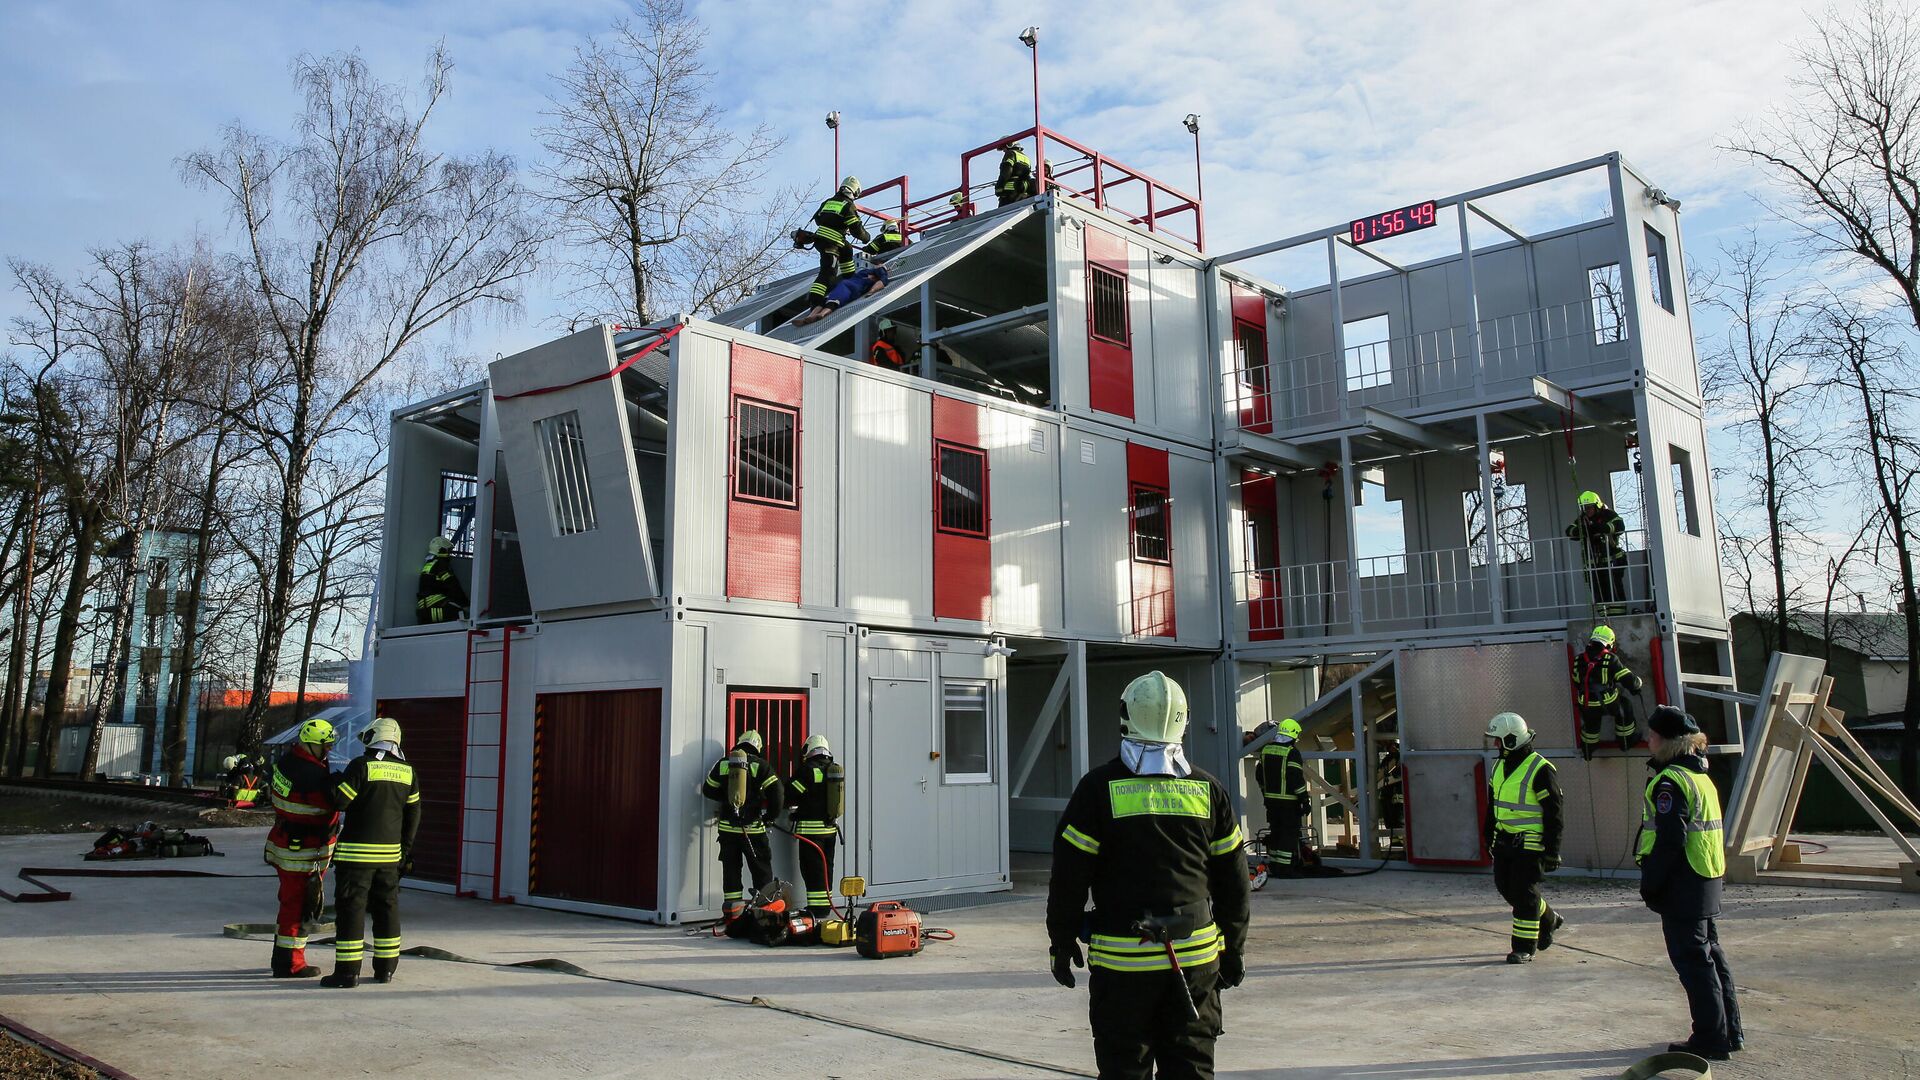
[[833, 223], [1682, 856], [817, 792], [1283, 784], [1156, 843], [1598, 675], [301, 844], [893, 237], [440, 598], [380, 795], [1522, 829], [1015, 181], [749, 795]]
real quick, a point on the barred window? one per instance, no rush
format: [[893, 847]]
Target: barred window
[[963, 490], [765, 450], [1107, 293], [563, 453], [1152, 541]]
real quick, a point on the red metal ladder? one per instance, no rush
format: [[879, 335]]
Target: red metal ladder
[[482, 828]]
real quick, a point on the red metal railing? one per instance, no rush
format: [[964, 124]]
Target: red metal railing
[[1089, 175]]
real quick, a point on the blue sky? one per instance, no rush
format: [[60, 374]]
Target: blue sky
[[1313, 113]]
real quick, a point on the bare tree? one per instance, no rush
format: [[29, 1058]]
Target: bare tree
[[361, 241], [1847, 148], [1872, 366], [1757, 376], [660, 202]]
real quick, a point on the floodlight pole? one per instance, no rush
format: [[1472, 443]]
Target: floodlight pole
[[1192, 123], [833, 123], [1030, 37]]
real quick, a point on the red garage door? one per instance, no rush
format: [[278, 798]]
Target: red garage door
[[434, 738], [596, 797]]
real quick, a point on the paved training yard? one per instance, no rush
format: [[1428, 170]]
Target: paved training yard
[[1394, 976]]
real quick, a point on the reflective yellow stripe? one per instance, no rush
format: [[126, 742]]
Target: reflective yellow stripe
[[1160, 795], [1118, 953], [300, 809], [1080, 840], [397, 772], [413, 797], [348, 790], [367, 853], [1229, 842], [281, 785], [814, 828], [282, 941], [756, 829]]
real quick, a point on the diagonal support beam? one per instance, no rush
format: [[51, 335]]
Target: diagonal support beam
[[1565, 400], [1499, 224], [1044, 723], [1404, 430]]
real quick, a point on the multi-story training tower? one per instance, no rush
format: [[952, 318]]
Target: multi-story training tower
[[677, 532]]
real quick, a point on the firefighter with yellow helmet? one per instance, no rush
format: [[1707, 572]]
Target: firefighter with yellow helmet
[[1157, 845], [1522, 830], [1283, 786], [300, 846]]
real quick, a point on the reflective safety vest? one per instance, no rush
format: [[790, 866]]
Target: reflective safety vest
[[834, 220], [1706, 843], [885, 355], [1016, 174], [1274, 759], [890, 239], [1516, 809]]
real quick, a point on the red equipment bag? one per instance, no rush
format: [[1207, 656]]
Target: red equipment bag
[[887, 928]]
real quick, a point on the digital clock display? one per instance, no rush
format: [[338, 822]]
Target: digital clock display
[[1393, 223]]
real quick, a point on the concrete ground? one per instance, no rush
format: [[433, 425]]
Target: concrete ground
[[1394, 976]]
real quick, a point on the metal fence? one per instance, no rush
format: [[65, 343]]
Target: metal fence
[[1542, 580]]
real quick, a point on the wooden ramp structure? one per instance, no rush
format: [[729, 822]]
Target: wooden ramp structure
[[1794, 725]]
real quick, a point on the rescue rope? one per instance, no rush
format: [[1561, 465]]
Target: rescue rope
[[262, 931], [664, 337]]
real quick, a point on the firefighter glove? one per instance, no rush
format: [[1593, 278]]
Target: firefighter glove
[[315, 900], [1233, 968], [1549, 863], [1065, 954]]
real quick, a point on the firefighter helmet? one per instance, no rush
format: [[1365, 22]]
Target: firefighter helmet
[[439, 545], [1289, 728], [317, 732], [850, 186], [751, 738], [1603, 635], [230, 762], [383, 729], [1590, 498], [815, 744], [1510, 728], [1154, 709]]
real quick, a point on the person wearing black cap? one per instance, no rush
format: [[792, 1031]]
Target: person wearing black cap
[[1682, 858]]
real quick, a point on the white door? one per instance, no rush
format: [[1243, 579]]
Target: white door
[[905, 785]]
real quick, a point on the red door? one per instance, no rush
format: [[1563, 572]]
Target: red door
[[1260, 503], [1254, 371], [434, 738], [596, 798], [1109, 325]]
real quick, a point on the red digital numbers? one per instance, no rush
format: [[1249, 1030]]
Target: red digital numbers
[[1393, 222]]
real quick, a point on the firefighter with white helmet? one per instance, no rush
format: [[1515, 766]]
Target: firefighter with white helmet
[[1157, 845], [817, 793], [440, 597], [300, 847], [380, 795], [1283, 786], [1525, 819]]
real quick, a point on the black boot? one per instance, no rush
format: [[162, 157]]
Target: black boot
[[1711, 1053], [342, 979], [1547, 928], [1518, 957], [383, 968]]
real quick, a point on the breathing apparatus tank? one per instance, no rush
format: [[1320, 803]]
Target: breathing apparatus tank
[[836, 793], [737, 779]]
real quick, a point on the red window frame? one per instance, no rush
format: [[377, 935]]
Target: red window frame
[[736, 467], [940, 449], [1094, 270], [780, 716], [1134, 491]]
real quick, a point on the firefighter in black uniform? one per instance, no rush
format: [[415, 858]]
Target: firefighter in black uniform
[[1598, 674], [1283, 786], [749, 795], [440, 597], [1602, 534], [817, 791], [833, 224], [1157, 844], [893, 237], [1682, 858], [1522, 831], [380, 795], [1015, 181]]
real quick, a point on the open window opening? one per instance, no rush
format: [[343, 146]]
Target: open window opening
[[1513, 537], [1369, 352], [457, 503], [1658, 280], [1379, 528], [435, 492], [1628, 500], [984, 325], [1609, 304], [1686, 511], [644, 387]]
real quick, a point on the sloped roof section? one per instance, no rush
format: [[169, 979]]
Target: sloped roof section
[[928, 255]]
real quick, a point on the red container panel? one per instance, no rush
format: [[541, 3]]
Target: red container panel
[[1151, 578], [434, 738], [596, 798], [962, 548], [1109, 349], [763, 538], [1266, 610]]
